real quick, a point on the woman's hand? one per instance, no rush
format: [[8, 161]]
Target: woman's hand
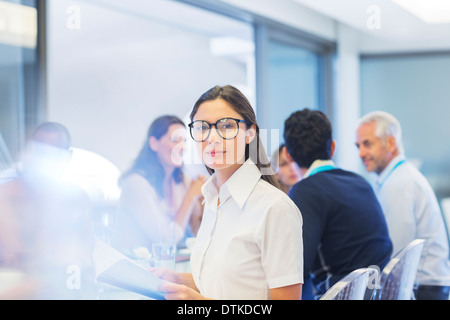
[[165, 274], [195, 188], [173, 291], [191, 200], [177, 286]]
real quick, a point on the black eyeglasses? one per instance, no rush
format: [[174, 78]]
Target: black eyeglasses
[[227, 128]]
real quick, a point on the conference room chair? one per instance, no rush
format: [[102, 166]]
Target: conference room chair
[[351, 287], [399, 275]]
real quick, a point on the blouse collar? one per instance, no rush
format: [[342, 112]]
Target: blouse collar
[[239, 186]]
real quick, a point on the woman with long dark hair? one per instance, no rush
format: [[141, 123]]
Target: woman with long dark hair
[[287, 171], [158, 201], [249, 245]]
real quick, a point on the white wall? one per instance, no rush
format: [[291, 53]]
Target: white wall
[[346, 72], [109, 79], [415, 90], [290, 13]]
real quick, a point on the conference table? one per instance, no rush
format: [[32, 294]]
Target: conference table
[[16, 284]]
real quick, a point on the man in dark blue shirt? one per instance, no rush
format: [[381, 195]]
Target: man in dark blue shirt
[[343, 225]]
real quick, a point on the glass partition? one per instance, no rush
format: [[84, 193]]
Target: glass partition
[[18, 78], [114, 66], [293, 82], [414, 88]]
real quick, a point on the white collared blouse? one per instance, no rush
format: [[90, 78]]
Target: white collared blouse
[[250, 243]]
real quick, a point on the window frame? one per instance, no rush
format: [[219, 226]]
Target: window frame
[[266, 30]]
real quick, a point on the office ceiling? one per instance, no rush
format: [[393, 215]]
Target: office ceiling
[[385, 25]]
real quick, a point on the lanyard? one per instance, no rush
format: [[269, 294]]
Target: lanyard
[[322, 168], [390, 172]]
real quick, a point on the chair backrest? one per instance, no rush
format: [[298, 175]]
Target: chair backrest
[[445, 205], [399, 275], [351, 287]]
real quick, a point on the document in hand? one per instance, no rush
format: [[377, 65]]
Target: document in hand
[[116, 269]]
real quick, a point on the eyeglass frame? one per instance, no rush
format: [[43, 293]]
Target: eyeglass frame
[[190, 125]]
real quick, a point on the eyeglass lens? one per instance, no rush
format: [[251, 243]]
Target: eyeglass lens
[[227, 128]]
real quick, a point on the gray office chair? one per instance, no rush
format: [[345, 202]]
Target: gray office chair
[[399, 275], [351, 287], [445, 205]]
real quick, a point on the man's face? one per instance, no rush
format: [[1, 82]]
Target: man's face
[[374, 154]]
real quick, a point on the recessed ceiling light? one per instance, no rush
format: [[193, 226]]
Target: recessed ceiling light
[[429, 11]]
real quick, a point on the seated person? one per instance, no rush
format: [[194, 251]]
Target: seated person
[[158, 201], [408, 201], [287, 171], [343, 225], [45, 221]]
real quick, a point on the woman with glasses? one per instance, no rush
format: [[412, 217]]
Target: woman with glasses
[[158, 202], [249, 245]]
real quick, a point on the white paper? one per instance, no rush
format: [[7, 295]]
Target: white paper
[[114, 268], [105, 256]]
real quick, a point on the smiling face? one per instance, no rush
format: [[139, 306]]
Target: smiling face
[[373, 151], [289, 172], [170, 146], [217, 153]]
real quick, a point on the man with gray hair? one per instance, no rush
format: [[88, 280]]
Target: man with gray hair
[[408, 201]]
